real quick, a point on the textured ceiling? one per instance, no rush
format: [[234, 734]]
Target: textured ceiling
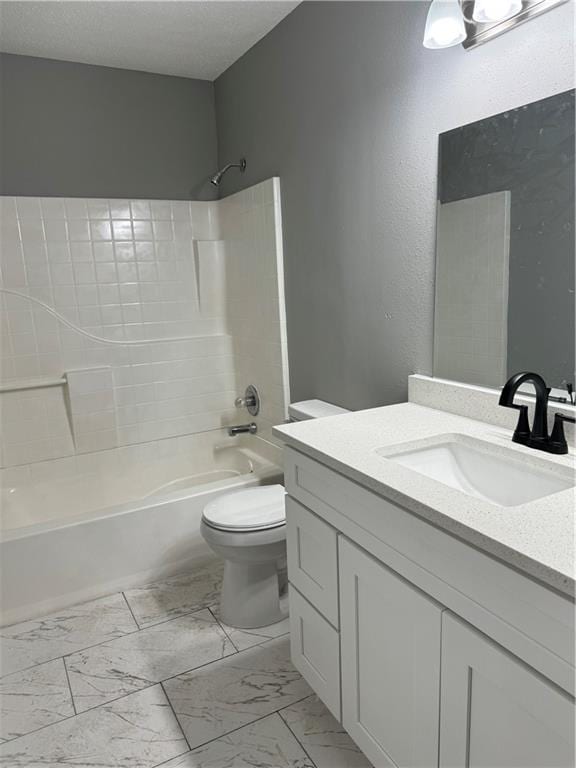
[[198, 39]]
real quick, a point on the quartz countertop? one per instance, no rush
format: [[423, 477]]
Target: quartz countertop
[[536, 538]]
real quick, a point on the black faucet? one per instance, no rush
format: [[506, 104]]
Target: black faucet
[[537, 437]]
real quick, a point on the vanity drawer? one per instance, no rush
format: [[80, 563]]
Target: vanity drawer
[[312, 548], [315, 647]]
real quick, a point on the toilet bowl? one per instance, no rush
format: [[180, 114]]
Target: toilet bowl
[[247, 529]]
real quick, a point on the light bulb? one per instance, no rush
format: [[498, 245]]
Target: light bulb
[[488, 11], [444, 24]]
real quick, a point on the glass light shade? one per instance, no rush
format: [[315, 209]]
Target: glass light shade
[[487, 11], [444, 24]]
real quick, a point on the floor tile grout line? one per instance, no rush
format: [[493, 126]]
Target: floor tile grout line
[[263, 638], [110, 640], [161, 683], [78, 650], [297, 739], [222, 659], [50, 725], [189, 671], [315, 695], [104, 642], [210, 618], [252, 722], [130, 609], [171, 759], [160, 582], [79, 714], [37, 730], [180, 726], [145, 688], [223, 628], [165, 619], [69, 686], [171, 618]]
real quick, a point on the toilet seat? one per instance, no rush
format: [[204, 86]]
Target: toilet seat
[[254, 509]]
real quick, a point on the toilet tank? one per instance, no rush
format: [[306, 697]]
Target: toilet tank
[[313, 409]]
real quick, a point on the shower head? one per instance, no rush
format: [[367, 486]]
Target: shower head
[[217, 178]]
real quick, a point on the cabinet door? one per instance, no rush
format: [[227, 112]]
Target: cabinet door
[[495, 711], [390, 663]]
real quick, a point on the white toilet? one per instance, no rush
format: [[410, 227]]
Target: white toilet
[[248, 530]]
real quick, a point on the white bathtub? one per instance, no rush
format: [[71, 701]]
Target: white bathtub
[[74, 529]]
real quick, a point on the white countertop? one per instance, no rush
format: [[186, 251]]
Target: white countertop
[[536, 538]]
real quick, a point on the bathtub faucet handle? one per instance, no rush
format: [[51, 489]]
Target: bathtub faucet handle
[[250, 401]]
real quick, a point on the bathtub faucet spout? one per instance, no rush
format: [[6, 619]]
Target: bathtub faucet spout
[[243, 429]]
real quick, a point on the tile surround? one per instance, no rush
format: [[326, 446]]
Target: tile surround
[[252, 232], [121, 271], [67, 254], [93, 418]]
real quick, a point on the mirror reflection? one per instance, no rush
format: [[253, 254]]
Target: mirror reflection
[[505, 247]]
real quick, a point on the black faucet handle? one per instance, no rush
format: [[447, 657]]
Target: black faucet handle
[[558, 442], [522, 432]]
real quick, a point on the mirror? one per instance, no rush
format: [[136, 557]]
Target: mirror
[[505, 247]]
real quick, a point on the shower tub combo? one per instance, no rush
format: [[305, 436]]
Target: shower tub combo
[[78, 528], [157, 356]]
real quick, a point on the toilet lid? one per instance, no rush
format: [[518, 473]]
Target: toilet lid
[[249, 510]]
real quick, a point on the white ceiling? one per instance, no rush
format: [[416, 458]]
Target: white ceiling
[[190, 38]]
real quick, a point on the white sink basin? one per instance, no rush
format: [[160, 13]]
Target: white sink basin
[[481, 469]]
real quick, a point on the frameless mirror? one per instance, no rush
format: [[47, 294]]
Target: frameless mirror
[[505, 247]]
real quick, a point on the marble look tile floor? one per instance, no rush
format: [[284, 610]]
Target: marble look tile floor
[[151, 677]]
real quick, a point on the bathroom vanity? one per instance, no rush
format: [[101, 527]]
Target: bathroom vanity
[[435, 620]]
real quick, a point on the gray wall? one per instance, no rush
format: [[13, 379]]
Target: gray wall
[[81, 131], [345, 105]]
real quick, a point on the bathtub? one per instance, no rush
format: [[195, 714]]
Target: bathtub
[[77, 528]]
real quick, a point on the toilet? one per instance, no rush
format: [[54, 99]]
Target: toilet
[[247, 529]]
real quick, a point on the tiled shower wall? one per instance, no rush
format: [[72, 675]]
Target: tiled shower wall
[[136, 302]]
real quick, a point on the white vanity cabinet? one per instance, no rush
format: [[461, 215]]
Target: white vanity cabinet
[[390, 645], [430, 652], [495, 710]]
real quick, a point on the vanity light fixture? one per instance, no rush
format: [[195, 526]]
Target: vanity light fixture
[[487, 11], [444, 24], [473, 22]]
